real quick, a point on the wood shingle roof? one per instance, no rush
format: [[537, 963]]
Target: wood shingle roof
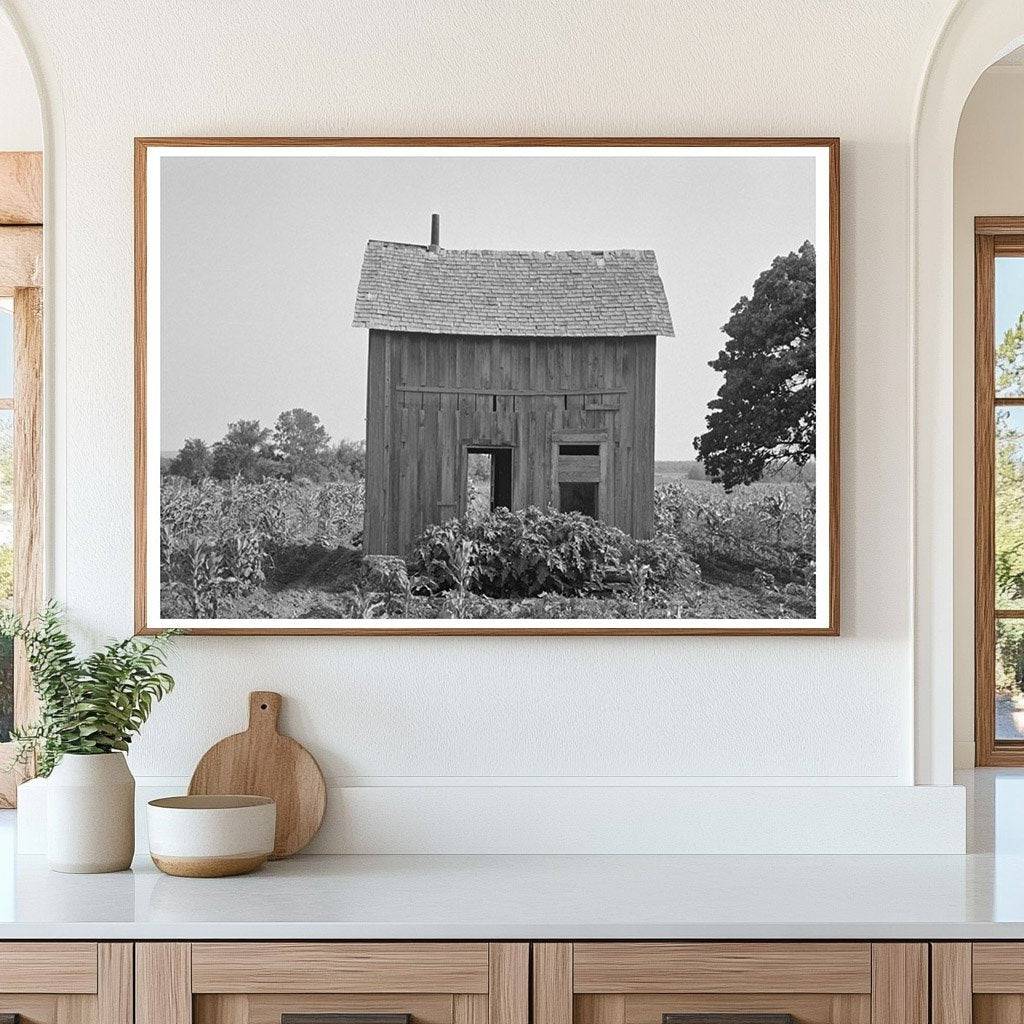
[[405, 287]]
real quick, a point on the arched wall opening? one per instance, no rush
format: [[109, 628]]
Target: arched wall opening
[[986, 182], [976, 34]]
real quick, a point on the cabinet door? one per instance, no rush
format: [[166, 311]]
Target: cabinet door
[[315, 982], [737, 982], [981, 982], [66, 982]]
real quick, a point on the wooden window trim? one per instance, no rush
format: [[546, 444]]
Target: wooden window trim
[[21, 258], [993, 236]]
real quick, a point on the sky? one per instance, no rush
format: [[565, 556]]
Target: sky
[[1009, 293], [260, 259]]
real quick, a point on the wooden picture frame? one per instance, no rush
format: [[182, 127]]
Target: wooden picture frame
[[825, 622]]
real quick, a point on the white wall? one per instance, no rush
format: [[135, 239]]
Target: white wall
[[988, 181], [444, 713], [20, 122]]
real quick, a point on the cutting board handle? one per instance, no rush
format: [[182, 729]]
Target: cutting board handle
[[264, 710]]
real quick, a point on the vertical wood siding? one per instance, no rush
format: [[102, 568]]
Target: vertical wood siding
[[431, 396]]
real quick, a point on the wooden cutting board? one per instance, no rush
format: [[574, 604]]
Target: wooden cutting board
[[262, 762]]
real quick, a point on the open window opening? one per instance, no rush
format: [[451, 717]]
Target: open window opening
[[578, 497], [488, 479], [578, 473]]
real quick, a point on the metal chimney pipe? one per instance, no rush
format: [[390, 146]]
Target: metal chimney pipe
[[435, 232]]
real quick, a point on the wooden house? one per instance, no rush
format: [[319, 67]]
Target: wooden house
[[543, 363]]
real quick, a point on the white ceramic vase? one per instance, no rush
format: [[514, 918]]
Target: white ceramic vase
[[90, 814]]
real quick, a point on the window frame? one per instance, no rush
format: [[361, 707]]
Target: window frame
[[596, 438], [993, 237]]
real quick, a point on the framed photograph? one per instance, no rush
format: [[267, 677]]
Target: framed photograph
[[487, 386]]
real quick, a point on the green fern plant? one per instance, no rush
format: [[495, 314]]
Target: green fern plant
[[90, 705]]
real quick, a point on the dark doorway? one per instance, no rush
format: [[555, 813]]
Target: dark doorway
[[488, 478], [578, 497]]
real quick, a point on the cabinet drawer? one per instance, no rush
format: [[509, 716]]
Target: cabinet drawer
[[48, 967], [262, 982], [340, 967], [630, 967], [736, 982]]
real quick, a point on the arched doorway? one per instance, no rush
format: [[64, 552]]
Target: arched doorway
[[976, 33]]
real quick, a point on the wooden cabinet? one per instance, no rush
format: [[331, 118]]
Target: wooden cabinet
[[66, 982], [647, 982], [494, 983], [979, 982], [260, 982]]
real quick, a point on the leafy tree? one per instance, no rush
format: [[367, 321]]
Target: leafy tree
[[1009, 507], [194, 461], [243, 451], [1009, 511], [301, 443], [1009, 467], [1009, 655], [764, 415], [347, 461], [1010, 360]]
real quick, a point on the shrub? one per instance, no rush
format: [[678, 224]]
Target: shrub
[[530, 552]]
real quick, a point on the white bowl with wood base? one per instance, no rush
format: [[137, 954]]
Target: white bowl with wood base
[[211, 836]]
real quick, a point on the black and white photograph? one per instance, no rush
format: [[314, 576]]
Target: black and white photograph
[[477, 387]]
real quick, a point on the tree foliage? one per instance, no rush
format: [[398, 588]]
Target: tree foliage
[[1010, 360], [764, 415], [298, 448], [1009, 505], [90, 705], [243, 451], [1009, 471], [194, 461], [301, 443]]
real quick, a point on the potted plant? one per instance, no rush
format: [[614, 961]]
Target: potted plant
[[89, 710]]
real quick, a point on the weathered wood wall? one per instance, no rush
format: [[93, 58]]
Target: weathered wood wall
[[430, 396]]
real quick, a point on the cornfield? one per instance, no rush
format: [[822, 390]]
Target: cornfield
[[287, 549], [219, 539]]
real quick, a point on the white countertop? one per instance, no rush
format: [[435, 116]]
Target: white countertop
[[532, 897], [978, 896]]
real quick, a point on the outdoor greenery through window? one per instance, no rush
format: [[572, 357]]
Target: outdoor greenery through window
[[1009, 497]]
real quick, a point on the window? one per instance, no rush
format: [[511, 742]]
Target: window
[[579, 468], [20, 504], [578, 497], [999, 491], [21, 366]]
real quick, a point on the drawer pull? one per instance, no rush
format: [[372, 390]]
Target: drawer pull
[[340, 1018], [728, 1018]]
